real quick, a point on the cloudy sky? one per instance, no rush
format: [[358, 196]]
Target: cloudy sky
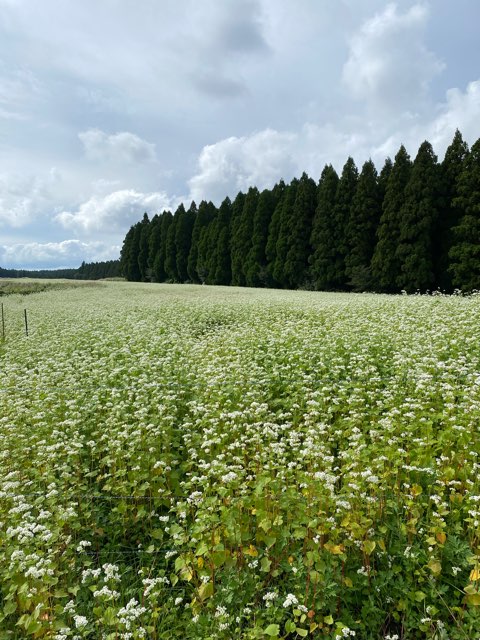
[[109, 108]]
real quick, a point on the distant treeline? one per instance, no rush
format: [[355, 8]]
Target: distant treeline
[[87, 271], [414, 226]]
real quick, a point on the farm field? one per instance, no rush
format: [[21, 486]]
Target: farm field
[[224, 463]]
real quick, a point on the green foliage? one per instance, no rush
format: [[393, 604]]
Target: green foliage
[[241, 240], [382, 233], [465, 252], [418, 223], [386, 263], [361, 229], [298, 246], [306, 470], [450, 213], [324, 234]]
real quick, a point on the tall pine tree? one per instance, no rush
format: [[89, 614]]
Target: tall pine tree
[[450, 213], [296, 263], [323, 237], [418, 223], [241, 240], [183, 239], [465, 252], [282, 244], [385, 262], [159, 273], [222, 264], [256, 274], [362, 225], [204, 216]]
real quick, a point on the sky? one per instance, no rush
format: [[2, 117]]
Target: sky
[[110, 108]]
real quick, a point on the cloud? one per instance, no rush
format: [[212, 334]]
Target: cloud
[[217, 86], [265, 157], [114, 212], [237, 163], [37, 255], [389, 65], [118, 147], [459, 110], [23, 197]]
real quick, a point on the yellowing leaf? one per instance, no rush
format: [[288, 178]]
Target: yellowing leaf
[[473, 599], [435, 567], [416, 490], [200, 562], [348, 582], [336, 549], [205, 590], [475, 574], [369, 546], [441, 537], [328, 620], [251, 551]]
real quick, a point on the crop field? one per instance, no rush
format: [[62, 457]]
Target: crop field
[[198, 462]]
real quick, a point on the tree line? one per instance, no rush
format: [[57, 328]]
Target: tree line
[[86, 271], [413, 226]]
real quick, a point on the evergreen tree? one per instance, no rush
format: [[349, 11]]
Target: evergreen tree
[[465, 252], [323, 237], [418, 220], [143, 249], [296, 262], [272, 237], [170, 251], [386, 262], [125, 253], [256, 274], [346, 188], [205, 214], [154, 241], [183, 238], [282, 244], [159, 273], [222, 265], [206, 251], [241, 240], [450, 213], [364, 218]]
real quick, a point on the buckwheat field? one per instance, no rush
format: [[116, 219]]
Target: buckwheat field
[[196, 462]]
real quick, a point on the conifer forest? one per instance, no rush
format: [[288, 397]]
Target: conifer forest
[[412, 226]]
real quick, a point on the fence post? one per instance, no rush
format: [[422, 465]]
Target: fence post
[[3, 324], [26, 322]]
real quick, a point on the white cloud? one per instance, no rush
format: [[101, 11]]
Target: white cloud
[[235, 164], [115, 212], [265, 157], [23, 197], [460, 110], [56, 254], [389, 65], [118, 147]]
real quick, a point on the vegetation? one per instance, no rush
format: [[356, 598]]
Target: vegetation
[[413, 227], [11, 287], [87, 271], [186, 462]]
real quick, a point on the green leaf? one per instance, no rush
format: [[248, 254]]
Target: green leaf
[[205, 590], [9, 608], [419, 596], [302, 632], [272, 630], [265, 564]]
